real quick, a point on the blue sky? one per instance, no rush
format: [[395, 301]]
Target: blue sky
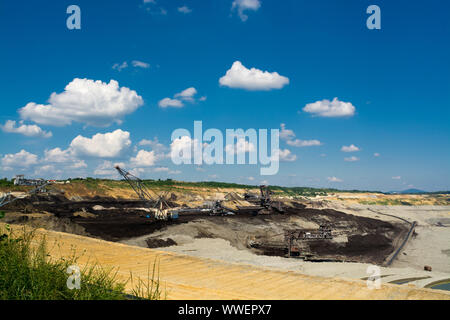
[[397, 79]]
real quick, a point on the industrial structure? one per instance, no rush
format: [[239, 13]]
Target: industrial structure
[[158, 204], [20, 180], [296, 241], [40, 187]]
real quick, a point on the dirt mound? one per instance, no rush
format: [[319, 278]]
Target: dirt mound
[[160, 243]]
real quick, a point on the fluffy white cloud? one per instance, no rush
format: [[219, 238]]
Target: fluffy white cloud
[[154, 144], [48, 170], [289, 135], [79, 164], [396, 178], [26, 130], [286, 155], [168, 102], [286, 134], [252, 79], [243, 5], [184, 9], [241, 146], [187, 94], [106, 168], [144, 159], [57, 155], [327, 108], [182, 148], [376, 154], [21, 159], [86, 101], [107, 145], [334, 179], [350, 148], [351, 159]]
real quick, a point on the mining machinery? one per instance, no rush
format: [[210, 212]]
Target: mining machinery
[[267, 201], [158, 204], [8, 197], [297, 240]]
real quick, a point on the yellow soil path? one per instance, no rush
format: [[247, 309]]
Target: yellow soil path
[[186, 277]]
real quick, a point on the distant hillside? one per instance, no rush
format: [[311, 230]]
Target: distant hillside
[[411, 191]]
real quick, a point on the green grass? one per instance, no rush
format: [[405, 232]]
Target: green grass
[[6, 183], [28, 273]]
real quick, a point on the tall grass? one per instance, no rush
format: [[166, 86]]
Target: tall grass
[[28, 273]]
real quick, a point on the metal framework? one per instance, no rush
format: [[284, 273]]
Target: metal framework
[[158, 204], [8, 198], [296, 239]]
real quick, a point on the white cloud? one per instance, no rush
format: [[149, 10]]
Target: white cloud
[[57, 155], [168, 102], [243, 5], [26, 130], [238, 76], [289, 135], [106, 168], [182, 144], [350, 148], [79, 164], [241, 146], [351, 159], [187, 94], [144, 159], [303, 143], [107, 145], [184, 9], [376, 154], [47, 169], [134, 63], [86, 101], [154, 144], [140, 64], [21, 159], [120, 66], [396, 178], [286, 134], [334, 179], [286, 155], [327, 108]]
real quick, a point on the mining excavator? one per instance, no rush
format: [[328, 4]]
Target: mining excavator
[[157, 204], [265, 203], [39, 188]]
